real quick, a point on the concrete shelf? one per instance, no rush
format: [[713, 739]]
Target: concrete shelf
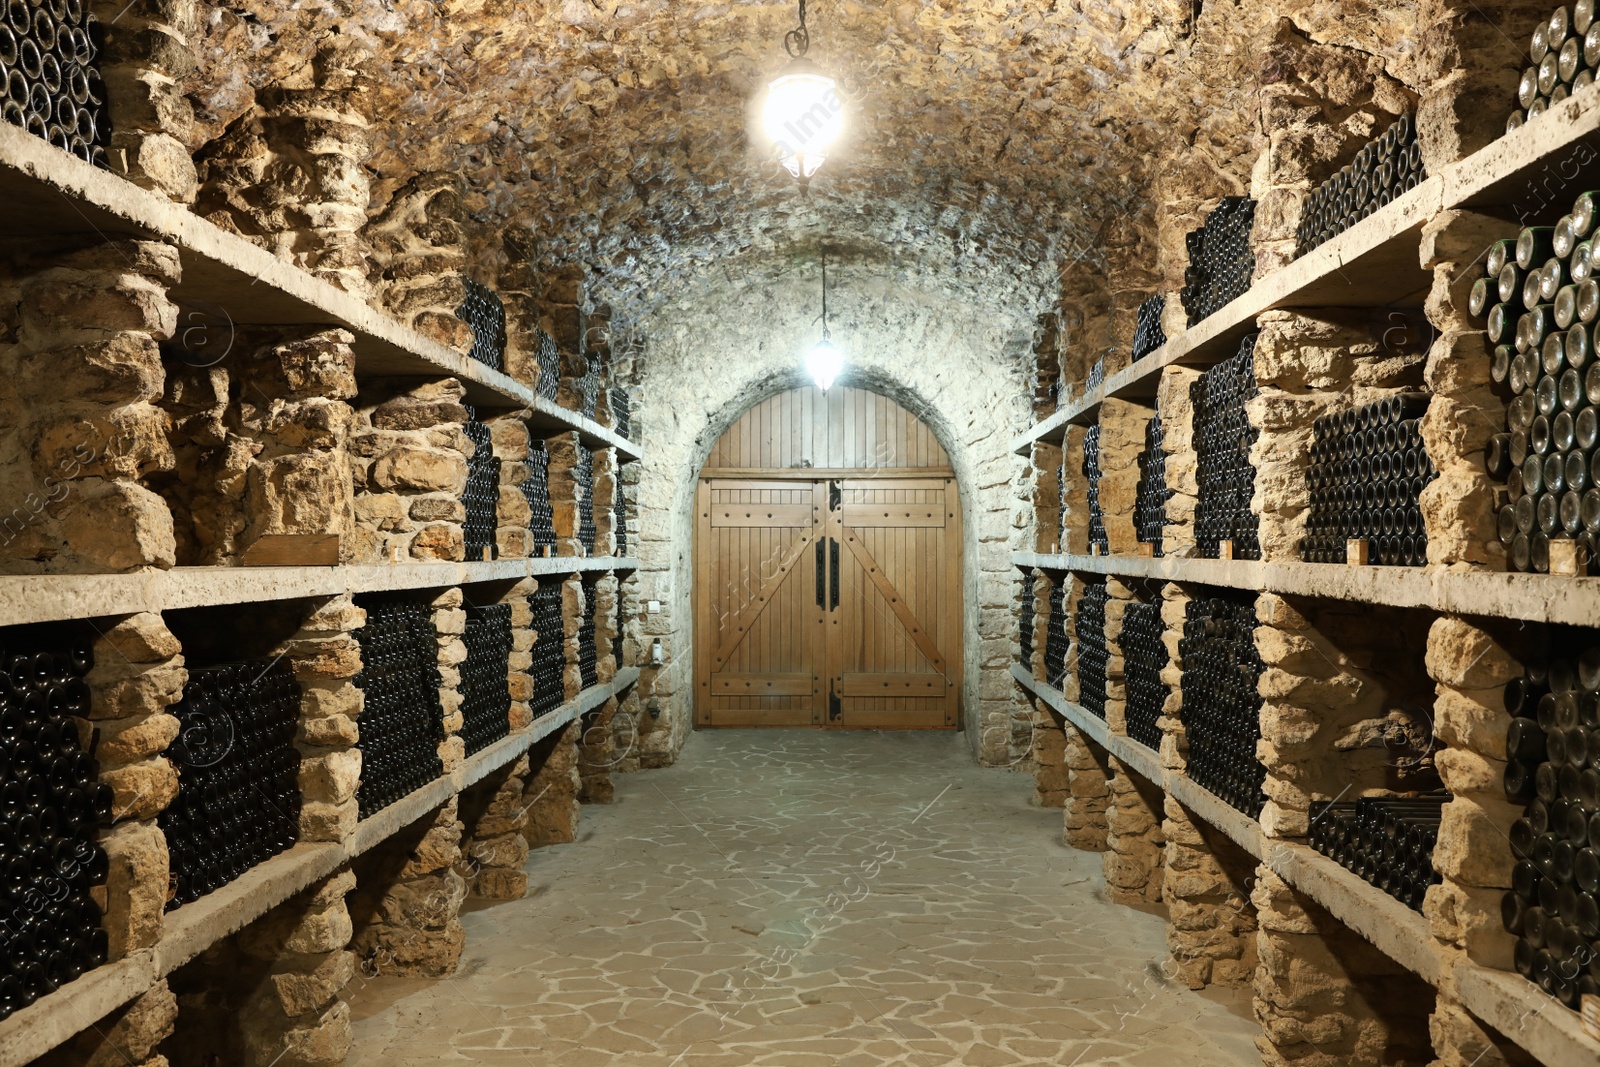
[[1508, 1002], [55, 597], [1530, 597], [1375, 263], [51, 192], [191, 929]]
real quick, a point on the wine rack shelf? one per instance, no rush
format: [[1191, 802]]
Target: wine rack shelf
[[50, 192], [1505, 1000], [1375, 263], [1530, 597], [190, 930], [55, 597]]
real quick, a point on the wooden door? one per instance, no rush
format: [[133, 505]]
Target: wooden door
[[827, 569], [896, 634], [760, 593]]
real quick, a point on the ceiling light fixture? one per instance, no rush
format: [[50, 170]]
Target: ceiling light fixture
[[824, 362], [803, 114]]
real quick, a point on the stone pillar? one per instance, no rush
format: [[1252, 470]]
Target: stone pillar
[[512, 445], [262, 442], [1119, 597], [1205, 882], [604, 503], [1470, 55], [551, 795], [1036, 599], [1470, 666], [138, 673], [1324, 996], [1074, 494], [1045, 480], [79, 446], [270, 995], [290, 175], [1051, 778], [1122, 426], [1458, 508], [128, 1037], [418, 258], [146, 54], [597, 753], [326, 658], [408, 898], [449, 624], [1177, 442], [1174, 736], [1089, 793], [566, 496], [574, 606], [409, 463], [1134, 838], [1460, 1040], [519, 679], [493, 851]]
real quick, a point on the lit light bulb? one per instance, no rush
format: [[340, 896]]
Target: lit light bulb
[[824, 363], [803, 116]]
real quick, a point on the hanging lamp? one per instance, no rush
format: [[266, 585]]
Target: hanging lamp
[[803, 114], [824, 362]]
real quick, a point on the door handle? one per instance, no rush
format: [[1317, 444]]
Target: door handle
[[834, 710], [822, 571], [833, 573]]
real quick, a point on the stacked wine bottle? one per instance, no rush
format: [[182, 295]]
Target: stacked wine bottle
[[52, 87], [1382, 171], [1147, 333], [1553, 745], [1542, 298], [1368, 469], [1564, 50], [238, 774], [1223, 438], [583, 476], [482, 496], [1221, 710], [1387, 841], [1150, 499], [549, 648], [1144, 657], [485, 690], [1090, 628], [619, 519], [402, 719], [588, 653], [1221, 263], [51, 804], [1056, 643], [1091, 479], [616, 638], [588, 387], [622, 413], [548, 356], [536, 491], [483, 311]]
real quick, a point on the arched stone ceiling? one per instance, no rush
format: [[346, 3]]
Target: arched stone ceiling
[[988, 139]]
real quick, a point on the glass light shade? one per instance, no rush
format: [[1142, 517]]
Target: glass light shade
[[824, 363], [803, 116]]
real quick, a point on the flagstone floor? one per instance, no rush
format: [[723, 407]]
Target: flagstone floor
[[799, 898]]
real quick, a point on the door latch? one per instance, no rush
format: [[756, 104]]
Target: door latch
[[833, 573], [822, 571], [834, 710], [835, 496]]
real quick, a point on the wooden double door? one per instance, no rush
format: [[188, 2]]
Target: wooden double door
[[831, 602]]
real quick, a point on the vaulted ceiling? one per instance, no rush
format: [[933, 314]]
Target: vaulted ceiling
[[987, 139]]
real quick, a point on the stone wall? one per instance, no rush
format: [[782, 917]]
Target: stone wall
[[408, 459], [957, 368]]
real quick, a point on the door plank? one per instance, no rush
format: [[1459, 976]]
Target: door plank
[[764, 515], [892, 685], [761, 685], [896, 603], [896, 515], [751, 610]]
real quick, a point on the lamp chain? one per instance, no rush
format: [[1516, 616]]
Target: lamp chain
[[798, 40], [824, 294]]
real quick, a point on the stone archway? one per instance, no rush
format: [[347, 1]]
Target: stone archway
[[958, 367]]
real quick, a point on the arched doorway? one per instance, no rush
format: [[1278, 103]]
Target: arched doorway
[[827, 568]]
